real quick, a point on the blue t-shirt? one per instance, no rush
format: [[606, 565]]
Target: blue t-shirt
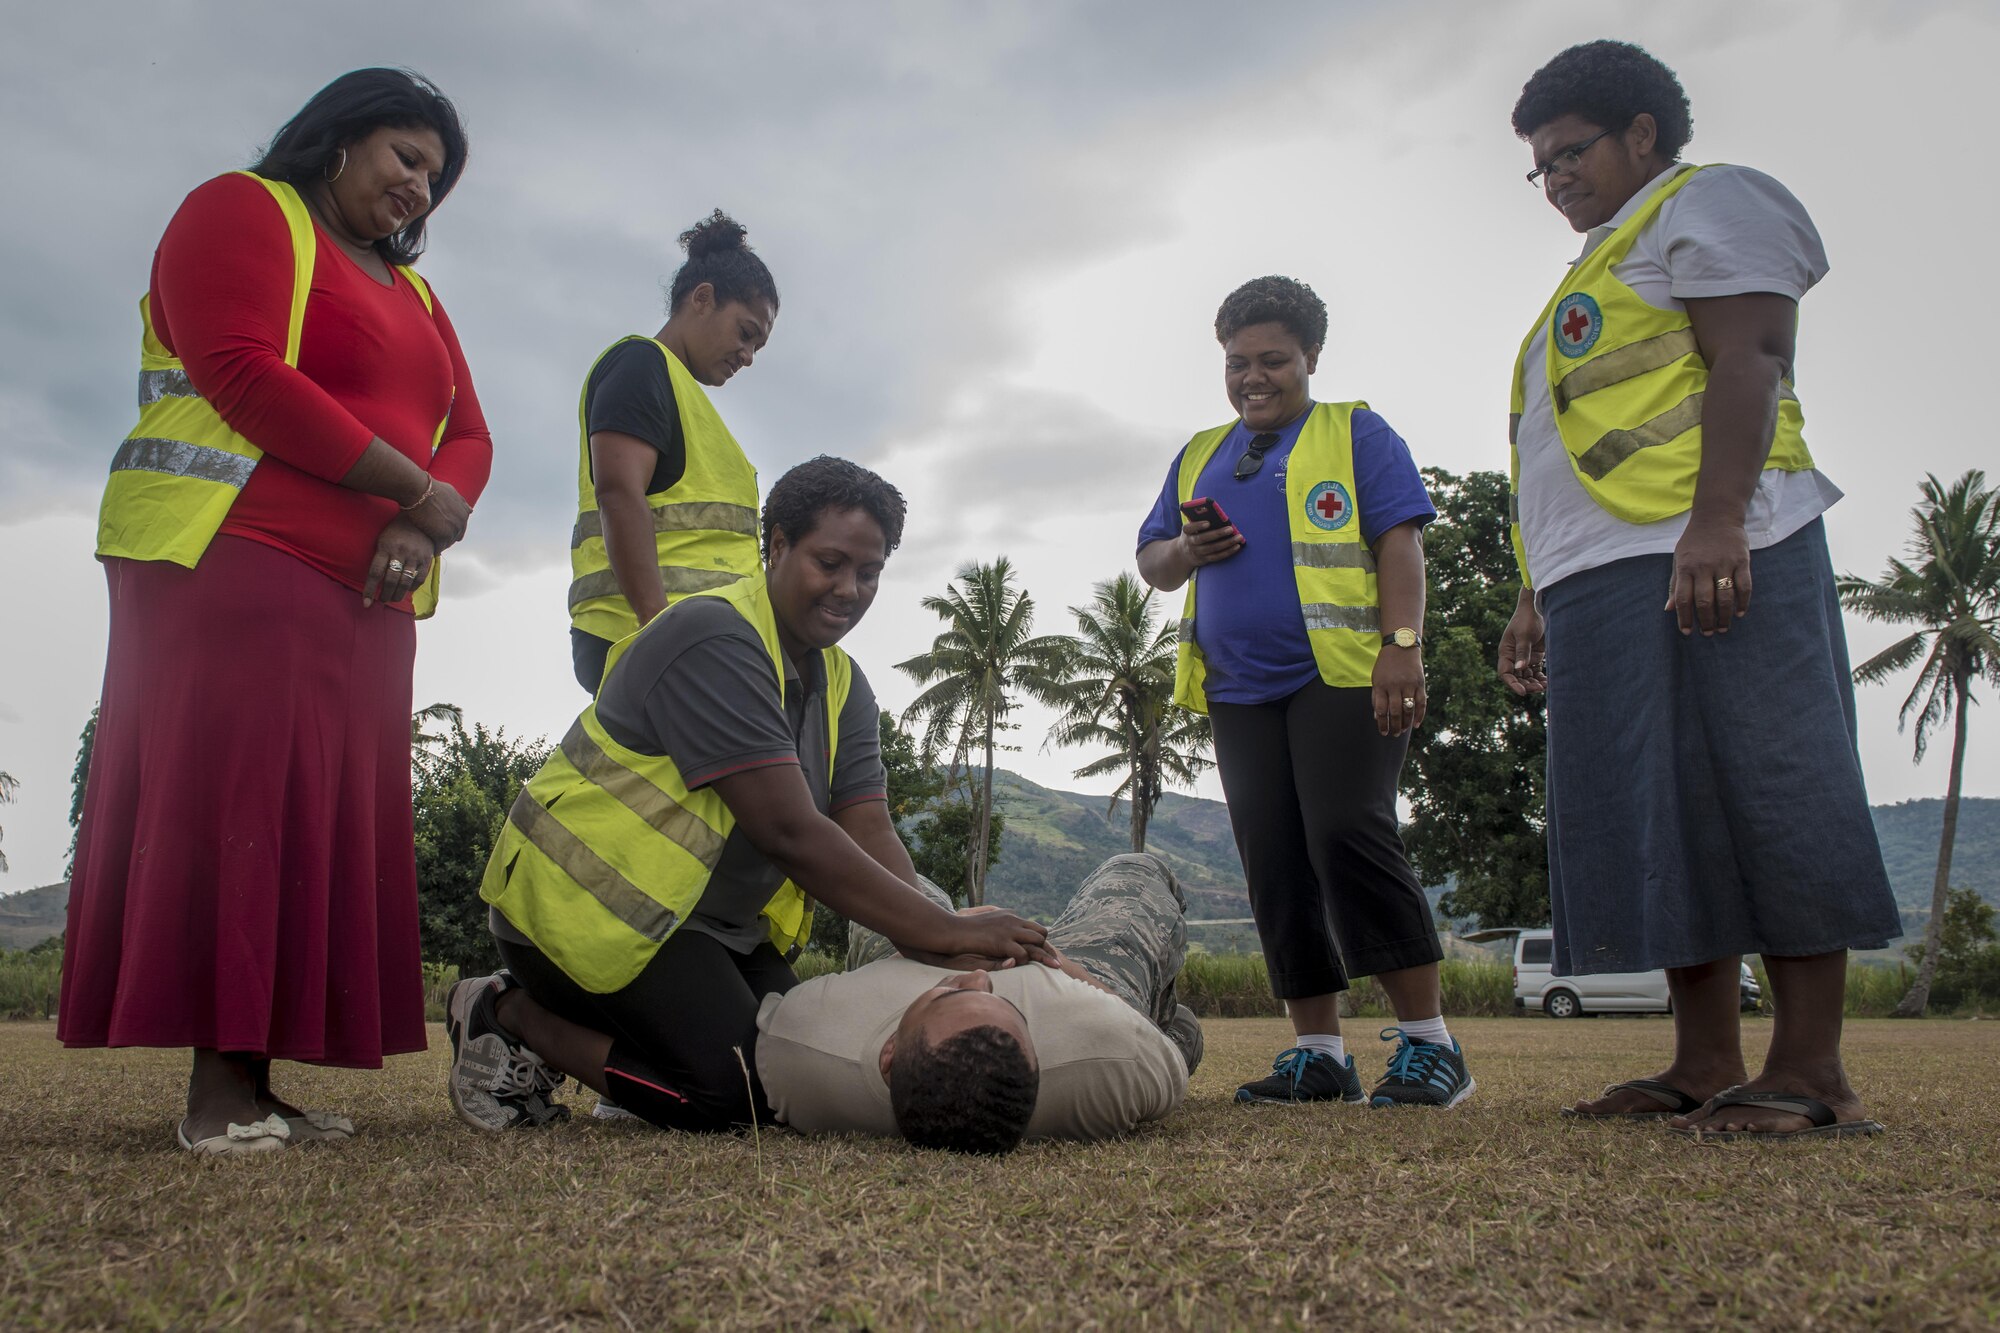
[[1247, 619]]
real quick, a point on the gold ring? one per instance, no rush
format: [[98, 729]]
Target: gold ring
[[1725, 582]]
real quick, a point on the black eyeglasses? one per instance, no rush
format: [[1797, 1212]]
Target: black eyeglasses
[[1566, 161], [1253, 455]]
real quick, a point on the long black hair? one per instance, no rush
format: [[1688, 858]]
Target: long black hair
[[719, 256], [352, 107]]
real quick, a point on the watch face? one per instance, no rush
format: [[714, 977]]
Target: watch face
[[1406, 638]]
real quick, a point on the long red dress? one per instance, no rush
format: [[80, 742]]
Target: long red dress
[[245, 879]]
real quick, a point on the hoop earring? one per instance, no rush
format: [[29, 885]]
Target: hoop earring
[[338, 170]]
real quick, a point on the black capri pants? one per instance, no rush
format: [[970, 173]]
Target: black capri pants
[[676, 1029], [1311, 787]]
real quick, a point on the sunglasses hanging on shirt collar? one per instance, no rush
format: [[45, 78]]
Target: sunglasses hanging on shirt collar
[[1253, 455]]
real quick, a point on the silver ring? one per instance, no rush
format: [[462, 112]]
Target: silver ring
[[396, 565], [1408, 702]]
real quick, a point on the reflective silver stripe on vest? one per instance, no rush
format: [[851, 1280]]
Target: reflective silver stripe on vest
[[668, 817], [679, 581], [1187, 631], [1326, 615], [1618, 445], [1333, 555], [1514, 508], [1628, 362], [573, 856], [157, 384], [687, 516], [178, 458]]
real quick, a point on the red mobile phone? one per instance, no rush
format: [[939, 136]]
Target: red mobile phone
[[1201, 509]]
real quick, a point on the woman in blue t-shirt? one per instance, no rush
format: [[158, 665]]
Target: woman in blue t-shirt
[[1312, 701]]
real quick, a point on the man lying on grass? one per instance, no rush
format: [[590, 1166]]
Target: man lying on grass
[[974, 1061], [652, 875]]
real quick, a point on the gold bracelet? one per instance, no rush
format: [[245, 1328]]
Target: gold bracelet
[[430, 485]]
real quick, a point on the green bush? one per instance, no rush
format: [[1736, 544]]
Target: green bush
[[1237, 986], [30, 980]]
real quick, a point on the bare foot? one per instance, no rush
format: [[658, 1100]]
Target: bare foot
[[1698, 1083], [1826, 1085]]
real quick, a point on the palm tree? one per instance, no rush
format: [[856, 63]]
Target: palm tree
[[1949, 590], [8, 786], [973, 672], [1120, 694], [423, 743]]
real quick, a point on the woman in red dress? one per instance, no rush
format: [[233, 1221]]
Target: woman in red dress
[[308, 442]]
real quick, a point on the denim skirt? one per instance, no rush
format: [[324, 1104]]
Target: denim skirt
[[1705, 794]]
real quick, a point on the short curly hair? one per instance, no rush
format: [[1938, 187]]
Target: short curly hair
[[971, 1093], [794, 505], [1274, 300], [1608, 84]]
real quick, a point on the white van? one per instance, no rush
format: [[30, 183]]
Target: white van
[[1537, 986]]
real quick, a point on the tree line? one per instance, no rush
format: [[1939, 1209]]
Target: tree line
[[1475, 776]]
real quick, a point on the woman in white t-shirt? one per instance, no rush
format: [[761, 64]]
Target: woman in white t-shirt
[[1705, 797]]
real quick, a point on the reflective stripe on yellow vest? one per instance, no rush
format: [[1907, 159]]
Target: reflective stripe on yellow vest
[[606, 851], [177, 474], [1626, 382], [1333, 566], [704, 525]]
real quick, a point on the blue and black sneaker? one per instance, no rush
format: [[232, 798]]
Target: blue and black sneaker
[[1304, 1075], [1423, 1073]]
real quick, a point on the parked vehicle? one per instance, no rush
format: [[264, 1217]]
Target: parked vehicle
[[1536, 984]]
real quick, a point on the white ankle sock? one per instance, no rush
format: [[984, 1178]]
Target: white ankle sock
[[1426, 1029], [1331, 1043]]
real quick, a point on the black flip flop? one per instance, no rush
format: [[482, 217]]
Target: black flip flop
[[1825, 1124], [1666, 1094]]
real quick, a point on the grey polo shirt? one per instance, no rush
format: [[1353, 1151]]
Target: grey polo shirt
[[696, 686]]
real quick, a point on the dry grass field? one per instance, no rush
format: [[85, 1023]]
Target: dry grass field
[[1497, 1215]]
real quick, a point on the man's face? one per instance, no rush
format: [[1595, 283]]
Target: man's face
[[958, 1003]]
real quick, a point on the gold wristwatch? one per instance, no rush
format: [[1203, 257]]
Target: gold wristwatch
[[1404, 638]]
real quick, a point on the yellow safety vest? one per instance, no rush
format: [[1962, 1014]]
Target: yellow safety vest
[[606, 851], [704, 525], [180, 470], [1626, 381], [1333, 566]]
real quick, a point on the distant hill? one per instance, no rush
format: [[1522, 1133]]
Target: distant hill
[[31, 916], [1055, 838], [1909, 836]]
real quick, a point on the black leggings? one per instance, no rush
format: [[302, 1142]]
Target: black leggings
[[676, 1031], [1311, 786]]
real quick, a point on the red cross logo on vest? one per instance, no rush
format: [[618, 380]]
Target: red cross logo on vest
[[1576, 325], [1328, 506]]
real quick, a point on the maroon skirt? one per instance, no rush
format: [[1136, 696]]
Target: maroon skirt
[[245, 879]]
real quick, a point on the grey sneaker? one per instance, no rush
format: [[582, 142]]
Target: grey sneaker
[[495, 1082], [606, 1109]]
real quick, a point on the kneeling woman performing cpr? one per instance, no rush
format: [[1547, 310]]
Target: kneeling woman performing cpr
[[653, 875]]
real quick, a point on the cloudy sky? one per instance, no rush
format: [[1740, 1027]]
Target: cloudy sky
[[1001, 232]]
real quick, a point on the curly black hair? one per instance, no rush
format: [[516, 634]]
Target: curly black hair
[[353, 107], [794, 505], [718, 255], [972, 1093], [1608, 84], [1274, 300]]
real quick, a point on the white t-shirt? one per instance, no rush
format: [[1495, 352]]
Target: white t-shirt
[[1728, 231], [1105, 1069]]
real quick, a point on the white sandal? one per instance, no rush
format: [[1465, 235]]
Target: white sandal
[[319, 1127], [267, 1135]]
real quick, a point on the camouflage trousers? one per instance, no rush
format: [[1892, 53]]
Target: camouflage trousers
[[1126, 927]]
